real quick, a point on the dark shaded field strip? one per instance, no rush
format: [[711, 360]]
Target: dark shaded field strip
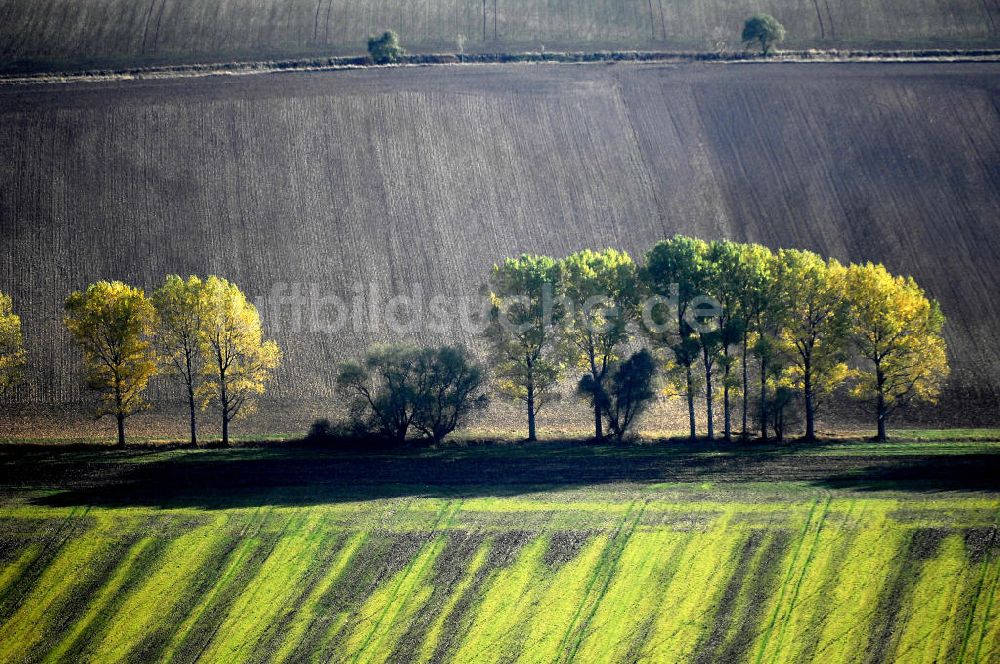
[[15, 594], [449, 570], [144, 565], [601, 580], [226, 591], [275, 634], [922, 546], [291, 523], [504, 550], [444, 519], [760, 588], [381, 556], [73, 604], [798, 582], [984, 555], [718, 644], [219, 558]]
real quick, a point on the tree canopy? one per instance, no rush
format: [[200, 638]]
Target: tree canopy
[[896, 330], [385, 49], [238, 361], [12, 354], [113, 323], [763, 29]]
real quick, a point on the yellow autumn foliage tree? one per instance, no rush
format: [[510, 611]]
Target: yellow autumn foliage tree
[[896, 330], [112, 322], [179, 307], [12, 355], [812, 308], [238, 362]]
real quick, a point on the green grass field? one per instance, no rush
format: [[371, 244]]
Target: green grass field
[[660, 554]]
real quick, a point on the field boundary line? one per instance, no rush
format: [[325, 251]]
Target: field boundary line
[[252, 67]]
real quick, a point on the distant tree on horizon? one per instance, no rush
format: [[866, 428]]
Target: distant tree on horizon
[[238, 362], [763, 29], [12, 354], [385, 49], [112, 322], [896, 330]]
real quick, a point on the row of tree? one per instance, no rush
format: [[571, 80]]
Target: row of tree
[[762, 330], [202, 333], [714, 313]]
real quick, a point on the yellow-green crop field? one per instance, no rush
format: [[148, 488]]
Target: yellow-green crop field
[[656, 573]]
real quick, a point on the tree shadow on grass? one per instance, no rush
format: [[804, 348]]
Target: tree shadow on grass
[[219, 479]]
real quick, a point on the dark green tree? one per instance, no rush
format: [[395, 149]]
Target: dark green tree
[[451, 389], [763, 29], [602, 291], [385, 49], [381, 390], [626, 393]]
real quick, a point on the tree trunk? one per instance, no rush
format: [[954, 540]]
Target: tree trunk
[[531, 413], [690, 399], [194, 423], [598, 428], [708, 397], [727, 423], [880, 405], [224, 403], [744, 434], [484, 20], [810, 410], [121, 429], [763, 401]]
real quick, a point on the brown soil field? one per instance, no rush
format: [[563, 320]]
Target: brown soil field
[[391, 178], [60, 34]]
